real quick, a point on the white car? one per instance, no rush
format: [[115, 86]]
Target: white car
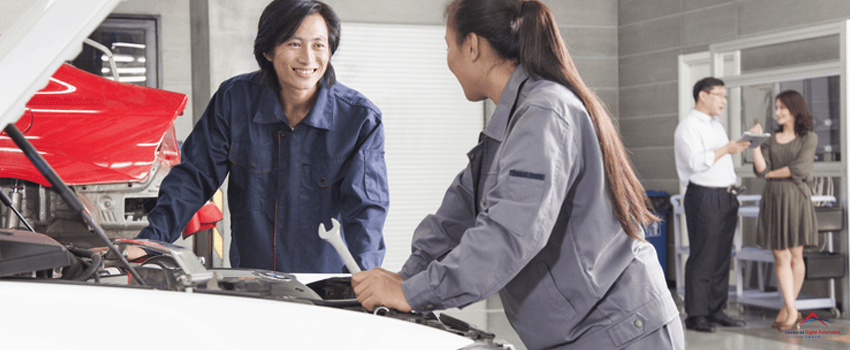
[[53, 295]]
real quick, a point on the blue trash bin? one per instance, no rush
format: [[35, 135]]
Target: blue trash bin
[[656, 234]]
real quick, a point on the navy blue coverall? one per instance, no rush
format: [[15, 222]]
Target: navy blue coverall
[[283, 181]]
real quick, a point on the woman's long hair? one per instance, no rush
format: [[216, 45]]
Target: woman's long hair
[[526, 31], [796, 104]]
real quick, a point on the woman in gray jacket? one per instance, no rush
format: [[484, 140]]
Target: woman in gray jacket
[[548, 213]]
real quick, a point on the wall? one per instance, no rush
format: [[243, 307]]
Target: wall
[[653, 33], [591, 33]]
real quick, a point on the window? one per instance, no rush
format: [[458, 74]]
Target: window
[[822, 97], [811, 60], [133, 43]]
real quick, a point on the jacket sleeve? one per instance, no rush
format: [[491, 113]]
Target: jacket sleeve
[[365, 197], [803, 164], [520, 212], [765, 152], [201, 172], [439, 233], [689, 150]]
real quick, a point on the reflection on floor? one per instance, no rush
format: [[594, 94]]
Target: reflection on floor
[[832, 333]]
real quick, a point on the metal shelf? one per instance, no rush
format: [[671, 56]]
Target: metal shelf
[[749, 296]]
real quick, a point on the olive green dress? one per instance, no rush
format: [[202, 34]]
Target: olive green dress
[[787, 215]]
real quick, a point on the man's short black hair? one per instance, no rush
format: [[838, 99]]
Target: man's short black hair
[[278, 23], [706, 84]]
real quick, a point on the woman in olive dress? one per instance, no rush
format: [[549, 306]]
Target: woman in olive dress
[[787, 219]]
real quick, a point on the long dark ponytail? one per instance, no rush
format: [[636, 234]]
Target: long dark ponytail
[[525, 31]]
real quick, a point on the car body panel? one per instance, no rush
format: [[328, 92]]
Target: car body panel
[[141, 319], [110, 132], [46, 34]]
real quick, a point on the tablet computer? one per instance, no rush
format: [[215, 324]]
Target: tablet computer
[[755, 139]]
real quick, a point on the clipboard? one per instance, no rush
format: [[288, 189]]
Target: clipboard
[[755, 139]]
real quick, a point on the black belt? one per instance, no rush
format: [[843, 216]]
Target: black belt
[[733, 189]]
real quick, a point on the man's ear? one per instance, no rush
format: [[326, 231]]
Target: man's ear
[[266, 55], [474, 49], [701, 97]]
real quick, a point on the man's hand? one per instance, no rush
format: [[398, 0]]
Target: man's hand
[[133, 252], [736, 146], [379, 287], [130, 253]]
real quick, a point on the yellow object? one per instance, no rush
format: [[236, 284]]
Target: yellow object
[[218, 242]]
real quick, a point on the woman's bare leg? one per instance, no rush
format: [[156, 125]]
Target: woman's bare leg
[[785, 278]]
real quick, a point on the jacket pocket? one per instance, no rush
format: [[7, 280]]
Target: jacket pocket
[[536, 308], [375, 176], [252, 159], [322, 177], [252, 182]]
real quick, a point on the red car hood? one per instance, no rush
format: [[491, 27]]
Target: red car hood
[[93, 130]]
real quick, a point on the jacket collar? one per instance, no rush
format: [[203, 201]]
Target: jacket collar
[[499, 122], [321, 116]]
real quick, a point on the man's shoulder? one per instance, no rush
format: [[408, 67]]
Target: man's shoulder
[[688, 123], [347, 97], [252, 80]]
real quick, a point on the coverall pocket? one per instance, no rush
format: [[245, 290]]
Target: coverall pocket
[[535, 306], [375, 179], [251, 176], [252, 159], [322, 177]]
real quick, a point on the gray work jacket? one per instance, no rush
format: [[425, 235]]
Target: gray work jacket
[[530, 218]]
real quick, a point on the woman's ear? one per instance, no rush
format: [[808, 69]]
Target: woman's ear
[[267, 56], [473, 49]]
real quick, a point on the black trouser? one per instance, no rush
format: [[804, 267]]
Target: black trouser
[[712, 215]]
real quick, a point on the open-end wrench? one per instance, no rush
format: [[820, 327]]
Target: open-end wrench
[[335, 240]]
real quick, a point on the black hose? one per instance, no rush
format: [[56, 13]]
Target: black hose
[[71, 272], [96, 261], [80, 252]]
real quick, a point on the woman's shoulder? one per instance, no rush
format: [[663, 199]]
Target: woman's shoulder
[[809, 136], [553, 96]]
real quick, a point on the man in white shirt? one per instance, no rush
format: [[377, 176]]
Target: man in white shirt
[[704, 163]]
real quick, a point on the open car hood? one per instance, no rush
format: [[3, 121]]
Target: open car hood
[[111, 137], [46, 34]]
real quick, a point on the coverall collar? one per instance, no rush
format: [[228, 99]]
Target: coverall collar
[[321, 116], [499, 122]]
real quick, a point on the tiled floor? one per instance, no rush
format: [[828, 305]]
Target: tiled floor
[[757, 335]]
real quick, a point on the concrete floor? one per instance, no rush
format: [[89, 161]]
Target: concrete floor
[[757, 335]]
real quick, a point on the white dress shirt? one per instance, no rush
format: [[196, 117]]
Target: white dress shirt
[[696, 139]]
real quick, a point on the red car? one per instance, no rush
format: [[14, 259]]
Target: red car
[[111, 142]]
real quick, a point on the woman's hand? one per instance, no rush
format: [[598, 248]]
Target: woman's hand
[[379, 287], [756, 129]]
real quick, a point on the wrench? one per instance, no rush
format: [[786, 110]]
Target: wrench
[[335, 240]]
